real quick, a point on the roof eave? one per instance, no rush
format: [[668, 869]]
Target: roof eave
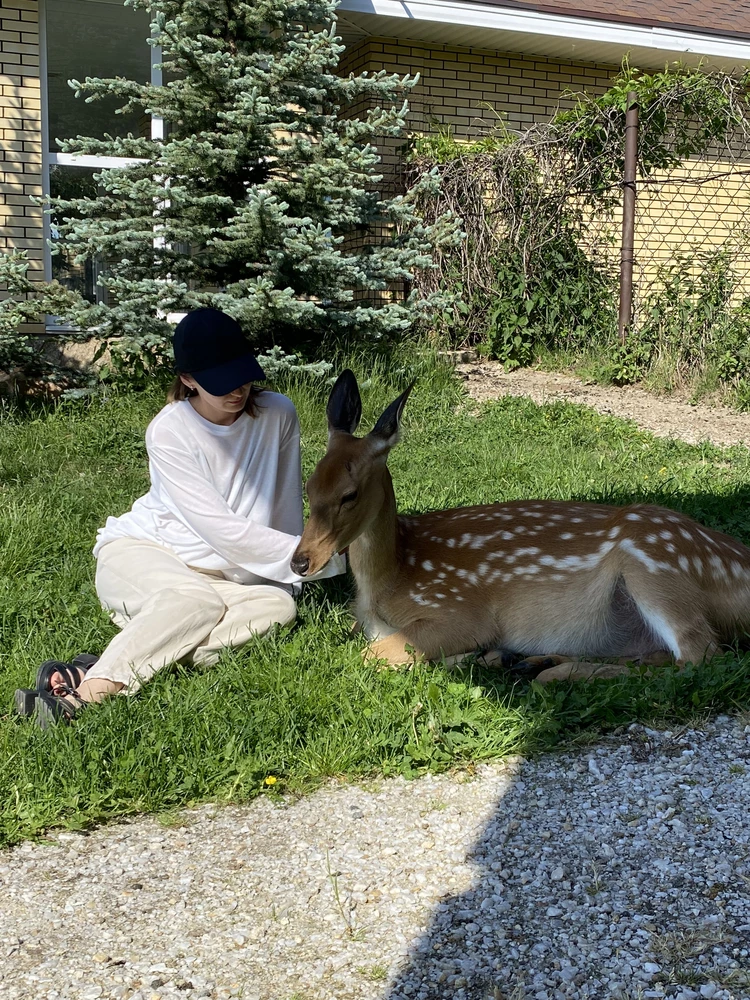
[[643, 22], [523, 28]]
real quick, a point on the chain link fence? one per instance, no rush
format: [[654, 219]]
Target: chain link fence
[[546, 249]]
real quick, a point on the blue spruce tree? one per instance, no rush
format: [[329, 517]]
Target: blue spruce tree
[[262, 196]]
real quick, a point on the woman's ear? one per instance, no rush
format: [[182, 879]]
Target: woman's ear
[[188, 380]]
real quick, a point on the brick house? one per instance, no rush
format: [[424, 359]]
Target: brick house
[[476, 59]]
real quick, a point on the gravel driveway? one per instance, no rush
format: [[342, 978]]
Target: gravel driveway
[[616, 871]]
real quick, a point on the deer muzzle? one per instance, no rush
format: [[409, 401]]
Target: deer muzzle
[[314, 550], [300, 563]]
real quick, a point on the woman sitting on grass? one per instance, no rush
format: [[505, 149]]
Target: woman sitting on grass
[[202, 560]]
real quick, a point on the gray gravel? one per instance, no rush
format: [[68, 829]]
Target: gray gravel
[[621, 870]]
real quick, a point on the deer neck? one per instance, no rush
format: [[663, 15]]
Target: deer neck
[[374, 555]]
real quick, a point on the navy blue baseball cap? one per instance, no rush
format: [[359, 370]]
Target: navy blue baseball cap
[[210, 346]]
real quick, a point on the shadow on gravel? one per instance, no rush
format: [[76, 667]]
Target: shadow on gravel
[[620, 871]]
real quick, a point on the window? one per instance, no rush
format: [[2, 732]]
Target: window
[[84, 38]]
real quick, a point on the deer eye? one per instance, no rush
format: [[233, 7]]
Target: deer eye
[[349, 498]]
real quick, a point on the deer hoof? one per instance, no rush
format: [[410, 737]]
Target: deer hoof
[[533, 666], [503, 658]]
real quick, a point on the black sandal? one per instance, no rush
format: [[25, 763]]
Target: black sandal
[[52, 709], [25, 698]]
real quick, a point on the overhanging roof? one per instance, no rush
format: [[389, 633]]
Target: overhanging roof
[[521, 28]]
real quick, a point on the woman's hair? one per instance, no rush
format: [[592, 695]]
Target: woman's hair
[[178, 391]]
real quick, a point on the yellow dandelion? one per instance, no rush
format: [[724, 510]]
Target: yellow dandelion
[[270, 780]]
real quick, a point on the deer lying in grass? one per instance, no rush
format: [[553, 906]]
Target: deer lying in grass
[[554, 580]]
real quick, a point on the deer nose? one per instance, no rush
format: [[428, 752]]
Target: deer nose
[[300, 564]]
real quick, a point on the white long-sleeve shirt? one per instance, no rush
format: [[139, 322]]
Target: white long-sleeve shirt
[[223, 497]]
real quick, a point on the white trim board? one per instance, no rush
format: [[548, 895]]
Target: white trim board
[[557, 27]]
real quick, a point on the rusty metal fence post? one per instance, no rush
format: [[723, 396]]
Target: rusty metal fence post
[[628, 217]]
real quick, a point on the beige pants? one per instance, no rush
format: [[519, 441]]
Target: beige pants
[[169, 612]]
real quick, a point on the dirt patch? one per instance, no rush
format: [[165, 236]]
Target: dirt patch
[[664, 416]]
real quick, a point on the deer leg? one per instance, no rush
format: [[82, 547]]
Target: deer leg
[[576, 670], [397, 650], [672, 614], [535, 666]]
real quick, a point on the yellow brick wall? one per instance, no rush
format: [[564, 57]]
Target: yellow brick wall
[[21, 222], [456, 82], [468, 90]]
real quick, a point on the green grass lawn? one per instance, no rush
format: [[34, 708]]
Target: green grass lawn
[[300, 705]]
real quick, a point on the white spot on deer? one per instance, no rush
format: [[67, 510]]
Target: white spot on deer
[[519, 529], [428, 566], [459, 598], [451, 543], [527, 552], [578, 562], [465, 539], [576, 520], [737, 568], [628, 545], [718, 567], [652, 565], [483, 569], [556, 517], [613, 532], [657, 520], [632, 517], [557, 577], [662, 629], [439, 597], [480, 541], [532, 570], [666, 535], [566, 536], [684, 563], [670, 548], [698, 563], [411, 559], [461, 574], [652, 539], [708, 538], [570, 562], [686, 535], [448, 568]]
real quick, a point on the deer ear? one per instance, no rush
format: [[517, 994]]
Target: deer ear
[[385, 431], [344, 404]]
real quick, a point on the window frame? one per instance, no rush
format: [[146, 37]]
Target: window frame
[[49, 159]]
